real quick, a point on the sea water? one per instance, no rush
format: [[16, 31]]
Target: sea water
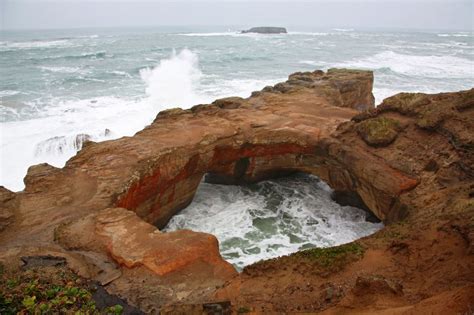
[[272, 218], [60, 87], [109, 83]]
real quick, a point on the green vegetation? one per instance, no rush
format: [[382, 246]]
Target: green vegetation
[[243, 310], [392, 235], [320, 261], [380, 131], [48, 291], [430, 118], [333, 257]]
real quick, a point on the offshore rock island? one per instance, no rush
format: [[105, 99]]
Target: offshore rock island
[[266, 30], [409, 161]]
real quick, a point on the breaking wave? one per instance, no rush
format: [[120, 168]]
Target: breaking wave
[[426, 66], [51, 136], [174, 81]]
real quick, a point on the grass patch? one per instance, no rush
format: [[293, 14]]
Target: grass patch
[[392, 235], [243, 310], [333, 257], [318, 261]]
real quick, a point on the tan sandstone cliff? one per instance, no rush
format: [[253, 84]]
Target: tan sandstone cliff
[[410, 161]]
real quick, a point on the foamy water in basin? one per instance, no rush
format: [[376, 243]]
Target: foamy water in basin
[[272, 218]]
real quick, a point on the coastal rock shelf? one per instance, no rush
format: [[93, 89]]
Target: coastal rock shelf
[[409, 161]]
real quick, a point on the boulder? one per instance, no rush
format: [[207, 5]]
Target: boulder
[[379, 131]]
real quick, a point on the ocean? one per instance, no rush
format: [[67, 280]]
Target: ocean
[[60, 87], [109, 83]]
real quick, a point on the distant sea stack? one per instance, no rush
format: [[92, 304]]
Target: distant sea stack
[[266, 30]]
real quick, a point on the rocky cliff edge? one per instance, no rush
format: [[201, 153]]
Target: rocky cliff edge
[[409, 161]]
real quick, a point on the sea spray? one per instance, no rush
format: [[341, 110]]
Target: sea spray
[[65, 83], [51, 136], [174, 82]]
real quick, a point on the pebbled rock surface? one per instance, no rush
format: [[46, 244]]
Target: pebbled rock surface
[[409, 161]]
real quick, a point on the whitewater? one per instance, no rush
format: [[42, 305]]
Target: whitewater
[[56, 85], [60, 88], [272, 218]]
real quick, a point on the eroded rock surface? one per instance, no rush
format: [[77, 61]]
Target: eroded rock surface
[[408, 160]]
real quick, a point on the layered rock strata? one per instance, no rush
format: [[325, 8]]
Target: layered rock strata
[[408, 160]]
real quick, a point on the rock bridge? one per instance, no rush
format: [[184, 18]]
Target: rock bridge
[[107, 200]]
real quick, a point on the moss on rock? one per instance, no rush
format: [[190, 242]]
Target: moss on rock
[[380, 131]]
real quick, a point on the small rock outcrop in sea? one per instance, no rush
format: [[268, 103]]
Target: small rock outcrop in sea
[[409, 161], [266, 30]]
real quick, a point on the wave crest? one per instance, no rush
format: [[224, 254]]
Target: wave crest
[[413, 65], [173, 82]]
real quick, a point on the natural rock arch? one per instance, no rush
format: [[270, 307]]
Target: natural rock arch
[[79, 212]]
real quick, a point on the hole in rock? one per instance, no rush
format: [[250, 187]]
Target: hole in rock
[[272, 218]]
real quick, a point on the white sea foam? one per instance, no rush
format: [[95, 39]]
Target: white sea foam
[[272, 218], [61, 69], [89, 36], [237, 87], [210, 34], [462, 34], [174, 81], [343, 29], [309, 33], [313, 63], [426, 66], [38, 44], [121, 73], [8, 93], [234, 34], [50, 137]]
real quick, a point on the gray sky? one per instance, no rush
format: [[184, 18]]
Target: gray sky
[[405, 14]]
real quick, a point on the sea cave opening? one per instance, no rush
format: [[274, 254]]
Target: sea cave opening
[[274, 217]]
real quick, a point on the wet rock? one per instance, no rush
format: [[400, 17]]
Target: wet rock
[[104, 299], [42, 261], [81, 138]]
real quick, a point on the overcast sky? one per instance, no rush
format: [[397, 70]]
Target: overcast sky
[[400, 14]]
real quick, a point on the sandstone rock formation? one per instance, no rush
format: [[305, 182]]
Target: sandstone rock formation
[[409, 161]]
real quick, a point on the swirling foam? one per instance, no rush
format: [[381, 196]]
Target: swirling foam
[[272, 218]]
